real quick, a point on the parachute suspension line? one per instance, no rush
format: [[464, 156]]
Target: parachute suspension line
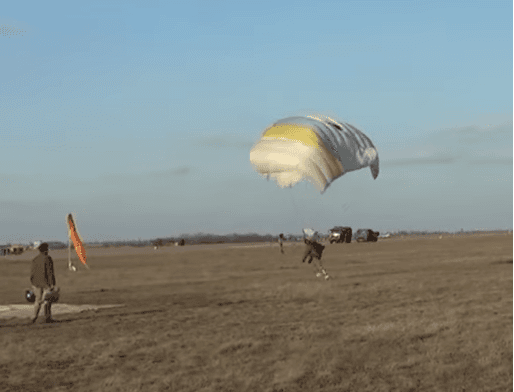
[[346, 209], [295, 206], [300, 218], [307, 220]]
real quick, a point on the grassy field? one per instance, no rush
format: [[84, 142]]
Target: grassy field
[[423, 314]]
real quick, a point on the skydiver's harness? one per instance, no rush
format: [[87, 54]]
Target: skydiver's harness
[[315, 250]]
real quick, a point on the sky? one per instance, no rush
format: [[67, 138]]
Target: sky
[[138, 116]]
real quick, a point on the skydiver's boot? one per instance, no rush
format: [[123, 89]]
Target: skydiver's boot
[[48, 313]]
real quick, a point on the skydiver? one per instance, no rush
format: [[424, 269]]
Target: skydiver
[[42, 278], [313, 252]]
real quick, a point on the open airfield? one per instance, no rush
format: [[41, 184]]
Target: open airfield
[[402, 314]]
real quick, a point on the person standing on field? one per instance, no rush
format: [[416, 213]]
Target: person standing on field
[[281, 242], [42, 278]]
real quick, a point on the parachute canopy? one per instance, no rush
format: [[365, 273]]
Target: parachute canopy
[[315, 148]]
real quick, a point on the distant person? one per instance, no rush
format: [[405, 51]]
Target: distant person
[[42, 278], [281, 242], [313, 252]]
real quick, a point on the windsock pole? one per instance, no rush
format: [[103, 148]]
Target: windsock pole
[[70, 264], [69, 253]]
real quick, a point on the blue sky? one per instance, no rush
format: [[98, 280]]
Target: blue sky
[[138, 116]]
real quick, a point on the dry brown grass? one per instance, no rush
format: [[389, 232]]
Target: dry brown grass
[[418, 315]]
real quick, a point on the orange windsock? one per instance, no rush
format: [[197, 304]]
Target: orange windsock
[[75, 238]]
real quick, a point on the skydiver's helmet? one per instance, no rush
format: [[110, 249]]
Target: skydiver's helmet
[[30, 296], [310, 235], [53, 296]]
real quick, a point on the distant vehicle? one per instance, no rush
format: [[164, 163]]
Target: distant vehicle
[[340, 234], [385, 235], [16, 249], [366, 235], [5, 250]]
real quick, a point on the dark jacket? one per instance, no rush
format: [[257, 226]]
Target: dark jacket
[[42, 272], [313, 248]]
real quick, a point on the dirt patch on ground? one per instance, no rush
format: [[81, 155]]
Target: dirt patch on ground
[[26, 310]]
